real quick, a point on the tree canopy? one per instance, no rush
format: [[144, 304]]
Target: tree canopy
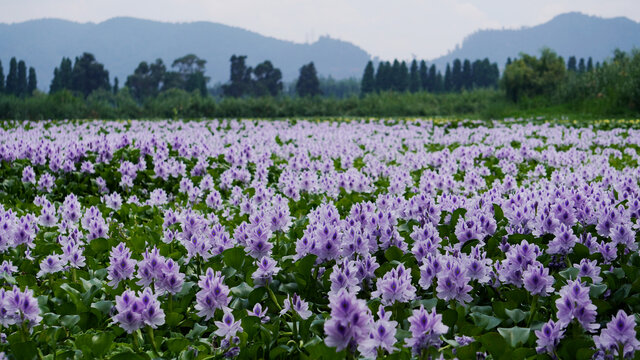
[[308, 83]]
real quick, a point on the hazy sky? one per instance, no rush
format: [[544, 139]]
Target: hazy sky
[[388, 29]]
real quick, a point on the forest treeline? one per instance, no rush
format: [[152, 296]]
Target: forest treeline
[[82, 89]]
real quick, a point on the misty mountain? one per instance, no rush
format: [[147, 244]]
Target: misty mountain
[[569, 34], [122, 43]]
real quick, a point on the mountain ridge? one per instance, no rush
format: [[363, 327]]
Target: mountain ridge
[[568, 34], [54, 38]]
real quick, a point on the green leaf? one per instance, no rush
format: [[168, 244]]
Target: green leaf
[[104, 306], [515, 335], [393, 253], [75, 297], [243, 290], [494, 343], [127, 355], [449, 317], [257, 295], [595, 290], [22, 350], [173, 319], [196, 331], [498, 214], [486, 322], [516, 315], [99, 245], [570, 273], [234, 257], [177, 345], [69, 321]]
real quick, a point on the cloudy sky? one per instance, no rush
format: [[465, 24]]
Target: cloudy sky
[[384, 28]]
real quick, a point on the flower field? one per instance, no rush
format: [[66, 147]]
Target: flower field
[[319, 240]]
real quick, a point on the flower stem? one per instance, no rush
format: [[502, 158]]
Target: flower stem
[[136, 344], [294, 321], [273, 297], [153, 341], [621, 351], [533, 310]]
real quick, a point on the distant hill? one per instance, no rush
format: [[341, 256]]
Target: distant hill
[[121, 43], [570, 34]]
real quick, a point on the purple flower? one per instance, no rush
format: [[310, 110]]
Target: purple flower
[[453, 283], [394, 286], [344, 276], [537, 280], [135, 312], [72, 254], [121, 266], [574, 303], [619, 334], [228, 327], [71, 209], [170, 279], [382, 335], [589, 268], [213, 294], [152, 315], [426, 329], [350, 321], [259, 312], [151, 267], [258, 245], [28, 175], [7, 268], [549, 337], [295, 303], [563, 242], [50, 265], [266, 270], [19, 306]]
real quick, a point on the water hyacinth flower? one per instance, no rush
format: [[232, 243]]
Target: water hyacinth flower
[[589, 268], [7, 268], [395, 286], [349, 323], [266, 270], [228, 327], [382, 336], [72, 254], [28, 175], [453, 284], [170, 279], [18, 307], [121, 266], [537, 280], [295, 305], [50, 265], [426, 329], [563, 242], [259, 312], [548, 337], [213, 294], [135, 312], [574, 303], [151, 267], [344, 276], [620, 334]]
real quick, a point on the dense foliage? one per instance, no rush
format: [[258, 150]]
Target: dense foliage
[[177, 103], [397, 76], [301, 239]]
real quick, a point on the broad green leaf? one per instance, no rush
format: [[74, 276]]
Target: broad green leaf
[[515, 336]]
